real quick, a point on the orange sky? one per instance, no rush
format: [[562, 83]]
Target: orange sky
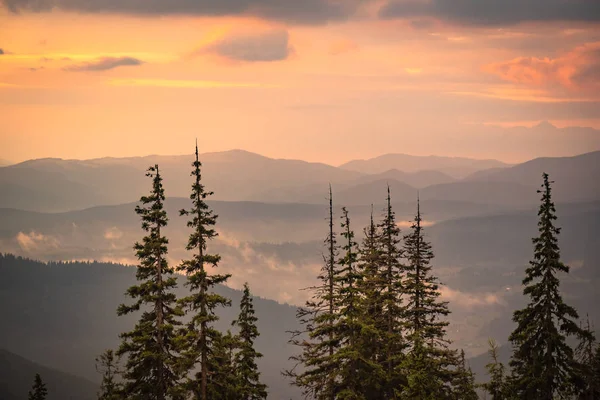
[[318, 80]]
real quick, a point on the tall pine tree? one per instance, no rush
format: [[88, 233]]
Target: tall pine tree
[[370, 287], [429, 365], [248, 378], [38, 391], [355, 369], [464, 382], [315, 368], [203, 302], [496, 386], [222, 382], [543, 364], [110, 387], [587, 355], [151, 347], [390, 322]]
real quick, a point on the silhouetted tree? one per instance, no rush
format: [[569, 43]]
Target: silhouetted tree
[[151, 367], [248, 377], [429, 363], [315, 367], [202, 302], [390, 322], [543, 364], [496, 387], [38, 391], [107, 365], [464, 382], [587, 353]]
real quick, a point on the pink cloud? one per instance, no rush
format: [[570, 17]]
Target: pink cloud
[[576, 70]]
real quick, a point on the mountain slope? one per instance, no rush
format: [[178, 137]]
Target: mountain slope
[[457, 167], [418, 179], [16, 379], [67, 316], [232, 175], [576, 178]]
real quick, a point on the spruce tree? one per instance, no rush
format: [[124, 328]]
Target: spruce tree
[[429, 363], [315, 367], [543, 364], [355, 369], [496, 387], [107, 365], [464, 382], [587, 353], [202, 301], [222, 382], [249, 385], [38, 391], [392, 313], [151, 347], [373, 326]]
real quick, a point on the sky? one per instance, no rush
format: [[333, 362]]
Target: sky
[[319, 80]]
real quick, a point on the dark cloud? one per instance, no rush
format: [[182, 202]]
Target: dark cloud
[[268, 46], [1, 51], [301, 11], [495, 12], [105, 63]]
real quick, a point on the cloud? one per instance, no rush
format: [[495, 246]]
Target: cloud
[[469, 300], [113, 233], [104, 64], [1, 51], [494, 12], [34, 241], [266, 46], [577, 70], [304, 11]]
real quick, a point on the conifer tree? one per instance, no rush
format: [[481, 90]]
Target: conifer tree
[[429, 363], [202, 302], [370, 287], [391, 291], [355, 369], [248, 378], [107, 365], [496, 387], [315, 368], [587, 355], [151, 347], [543, 364], [38, 391], [464, 383], [222, 382]]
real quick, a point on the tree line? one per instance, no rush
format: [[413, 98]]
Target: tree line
[[374, 327]]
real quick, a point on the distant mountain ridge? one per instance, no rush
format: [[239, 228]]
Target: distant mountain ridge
[[54, 185], [457, 167]]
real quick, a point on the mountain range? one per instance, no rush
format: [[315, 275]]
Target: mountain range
[[57, 185]]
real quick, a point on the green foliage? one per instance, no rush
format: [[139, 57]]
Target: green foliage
[[464, 381], [222, 383], [199, 336], [588, 355], [496, 387], [107, 365], [249, 386], [429, 364], [390, 321], [151, 347], [38, 391], [543, 364], [315, 367]]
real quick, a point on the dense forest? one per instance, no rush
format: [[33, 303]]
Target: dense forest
[[375, 325]]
